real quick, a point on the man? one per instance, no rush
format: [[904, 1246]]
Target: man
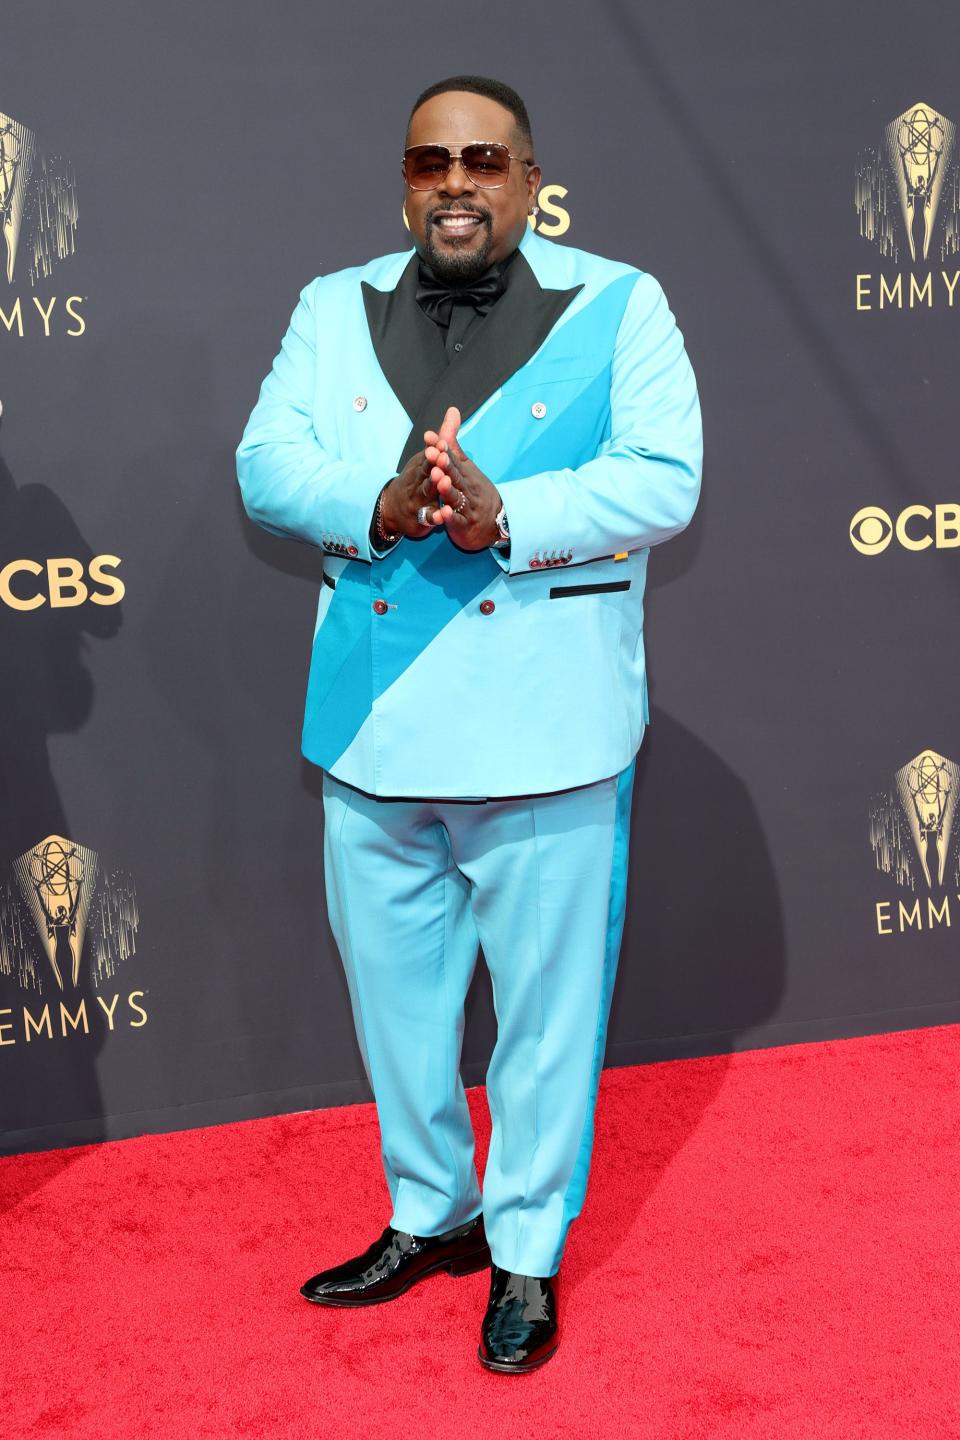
[[484, 436]]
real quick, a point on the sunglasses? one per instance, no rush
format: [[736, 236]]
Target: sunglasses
[[485, 163]]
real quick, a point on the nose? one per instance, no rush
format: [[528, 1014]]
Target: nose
[[457, 181]]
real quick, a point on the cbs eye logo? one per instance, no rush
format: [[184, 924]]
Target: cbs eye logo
[[918, 527], [871, 530]]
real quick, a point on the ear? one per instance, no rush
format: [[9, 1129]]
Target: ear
[[534, 176]]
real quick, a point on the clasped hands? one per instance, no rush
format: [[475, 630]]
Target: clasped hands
[[440, 485]]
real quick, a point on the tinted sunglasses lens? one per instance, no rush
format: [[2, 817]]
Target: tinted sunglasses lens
[[426, 166], [487, 165]]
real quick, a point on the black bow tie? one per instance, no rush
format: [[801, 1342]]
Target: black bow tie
[[437, 298]]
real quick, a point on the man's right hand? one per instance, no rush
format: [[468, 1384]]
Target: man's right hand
[[405, 495], [413, 488]]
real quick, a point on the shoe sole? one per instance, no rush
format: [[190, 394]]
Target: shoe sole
[[503, 1367], [466, 1265]]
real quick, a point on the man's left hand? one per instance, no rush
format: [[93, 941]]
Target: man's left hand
[[469, 501]]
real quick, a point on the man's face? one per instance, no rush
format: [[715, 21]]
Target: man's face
[[454, 251]]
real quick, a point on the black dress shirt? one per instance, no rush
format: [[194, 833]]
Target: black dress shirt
[[458, 310]]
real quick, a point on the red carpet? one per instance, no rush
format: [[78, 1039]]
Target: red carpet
[[770, 1248]]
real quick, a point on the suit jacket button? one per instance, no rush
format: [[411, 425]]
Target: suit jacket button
[[487, 607], [380, 607], [538, 410], [352, 550], [534, 564], [565, 558], [360, 403]]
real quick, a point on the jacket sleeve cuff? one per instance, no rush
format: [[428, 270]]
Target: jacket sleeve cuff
[[348, 517], [523, 503]]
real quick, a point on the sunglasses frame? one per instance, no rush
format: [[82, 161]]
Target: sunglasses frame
[[457, 155]]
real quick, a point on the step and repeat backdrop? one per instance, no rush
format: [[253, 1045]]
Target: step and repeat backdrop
[[171, 176]]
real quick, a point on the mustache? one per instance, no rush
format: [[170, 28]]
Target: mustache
[[458, 209]]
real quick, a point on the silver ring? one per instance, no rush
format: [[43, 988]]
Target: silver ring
[[461, 502], [423, 515]]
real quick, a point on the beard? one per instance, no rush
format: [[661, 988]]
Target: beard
[[458, 267]]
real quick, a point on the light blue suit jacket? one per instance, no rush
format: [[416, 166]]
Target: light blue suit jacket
[[594, 443]]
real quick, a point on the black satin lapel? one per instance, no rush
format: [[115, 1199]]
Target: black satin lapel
[[515, 328], [408, 346]]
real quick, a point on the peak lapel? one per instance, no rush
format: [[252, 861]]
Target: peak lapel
[[408, 346]]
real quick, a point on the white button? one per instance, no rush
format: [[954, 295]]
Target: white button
[[538, 410], [360, 402]]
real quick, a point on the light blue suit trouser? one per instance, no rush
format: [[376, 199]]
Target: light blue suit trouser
[[540, 882]]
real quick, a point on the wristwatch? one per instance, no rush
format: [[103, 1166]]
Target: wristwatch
[[500, 521]]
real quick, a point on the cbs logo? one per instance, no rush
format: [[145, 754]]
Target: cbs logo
[[554, 219], [65, 583], [915, 528]]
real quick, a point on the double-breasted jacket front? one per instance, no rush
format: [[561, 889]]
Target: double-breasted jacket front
[[579, 403]]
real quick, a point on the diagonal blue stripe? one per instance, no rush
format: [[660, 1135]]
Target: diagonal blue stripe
[[430, 585], [340, 687], [578, 430], [428, 598]]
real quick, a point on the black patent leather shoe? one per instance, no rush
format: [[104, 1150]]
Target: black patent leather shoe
[[396, 1261], [521, 1328]]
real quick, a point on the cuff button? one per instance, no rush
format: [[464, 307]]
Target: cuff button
[[487, 607]]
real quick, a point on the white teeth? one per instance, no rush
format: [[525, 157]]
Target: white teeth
[[458, 222]]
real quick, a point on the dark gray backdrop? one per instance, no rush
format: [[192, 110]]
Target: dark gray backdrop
[[791, 675]]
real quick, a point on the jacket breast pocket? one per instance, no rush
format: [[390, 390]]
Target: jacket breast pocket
[[555, 370]]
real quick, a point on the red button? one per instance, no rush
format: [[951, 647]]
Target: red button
[[380, 607], [487, 607], [535, 564], [352, 550]]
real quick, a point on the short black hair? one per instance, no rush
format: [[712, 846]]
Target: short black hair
[[495, 90]]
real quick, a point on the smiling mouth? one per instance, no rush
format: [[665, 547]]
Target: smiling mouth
[[457, 223]]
